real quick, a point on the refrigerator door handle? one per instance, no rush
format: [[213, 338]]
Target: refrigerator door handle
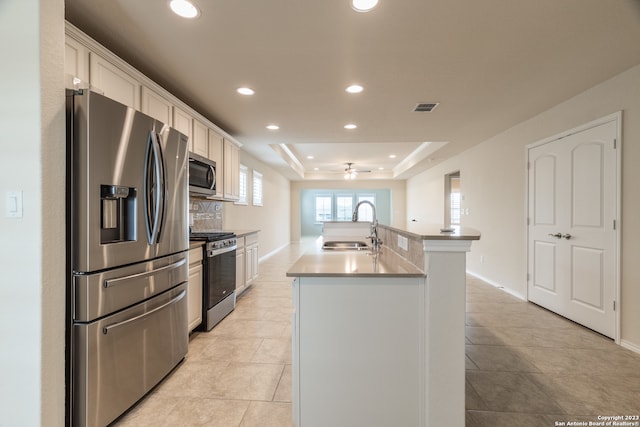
[[174, 300], [163, 189], [152, 188]]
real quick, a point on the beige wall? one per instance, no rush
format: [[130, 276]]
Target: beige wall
[[272, 219], [32, 287], [398, 198], [493, 176]]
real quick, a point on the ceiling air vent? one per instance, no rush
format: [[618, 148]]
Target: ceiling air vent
[[426, 107]]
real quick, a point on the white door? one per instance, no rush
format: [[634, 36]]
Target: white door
[[572, 241]]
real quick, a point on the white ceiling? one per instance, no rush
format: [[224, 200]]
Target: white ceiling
[[490, 64]]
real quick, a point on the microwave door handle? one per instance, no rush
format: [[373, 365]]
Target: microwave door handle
[[212, 177]]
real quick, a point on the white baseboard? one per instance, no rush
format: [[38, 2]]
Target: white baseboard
[[497, 285], [630, 346], [272, 253]]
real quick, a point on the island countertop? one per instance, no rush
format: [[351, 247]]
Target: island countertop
[[353, 264], [435, 232]]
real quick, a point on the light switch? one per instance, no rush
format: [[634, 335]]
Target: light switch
[[13, 204]]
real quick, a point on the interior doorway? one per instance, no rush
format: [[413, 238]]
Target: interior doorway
[[452, 199]]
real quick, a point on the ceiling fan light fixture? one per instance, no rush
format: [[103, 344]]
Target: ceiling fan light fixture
[[184, 9], [363, 5]]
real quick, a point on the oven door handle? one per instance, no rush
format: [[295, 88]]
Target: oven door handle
[[214, 252], [174, 300]]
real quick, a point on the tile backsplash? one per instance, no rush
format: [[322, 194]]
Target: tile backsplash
[[205, 215]]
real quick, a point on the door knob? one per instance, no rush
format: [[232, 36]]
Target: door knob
[[557, 235], [567, 236]]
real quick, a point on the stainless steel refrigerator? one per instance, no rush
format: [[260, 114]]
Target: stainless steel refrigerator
[[127, 240]]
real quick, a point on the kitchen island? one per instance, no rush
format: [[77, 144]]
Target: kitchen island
[[378, 338]]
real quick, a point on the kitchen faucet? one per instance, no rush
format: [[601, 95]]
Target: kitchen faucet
[[375, 240]]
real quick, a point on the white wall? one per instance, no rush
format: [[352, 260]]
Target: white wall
[[493, 176], [398, 198], [272, 219], [32, 288]]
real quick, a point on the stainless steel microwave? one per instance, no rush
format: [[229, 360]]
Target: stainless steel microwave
[[202, 176]]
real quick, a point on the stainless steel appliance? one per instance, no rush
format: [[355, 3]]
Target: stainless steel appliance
[[202, 176], [127, 242], [219, 290]]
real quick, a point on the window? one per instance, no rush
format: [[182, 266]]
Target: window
[[344, 207], [365, 212], [339, 207], [244, 173], [257, 188], [323, 208]]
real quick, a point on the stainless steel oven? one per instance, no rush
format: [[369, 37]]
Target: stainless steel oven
[[219, 289]]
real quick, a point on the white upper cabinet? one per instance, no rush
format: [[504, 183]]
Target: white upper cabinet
[[156, 106], [76, 60], [216, 153], [183, 122], [200, 138], [231, 171], [113, 82]]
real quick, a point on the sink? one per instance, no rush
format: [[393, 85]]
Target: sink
[[345, 246]]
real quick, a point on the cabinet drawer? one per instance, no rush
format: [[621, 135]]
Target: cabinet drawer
[[195, 256], [251, 239]]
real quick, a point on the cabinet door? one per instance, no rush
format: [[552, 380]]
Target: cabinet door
[[183, 122], [200, 138], [216, 153], [156, 106], [76, 59], [113, 82], [231, 171], [254, 260], [240, 270], [194, 295]]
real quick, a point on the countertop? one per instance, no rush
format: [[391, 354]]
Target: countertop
[[351, 263], [242, 233], [434, 232]]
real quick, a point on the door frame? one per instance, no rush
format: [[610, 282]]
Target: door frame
[[617, 119]]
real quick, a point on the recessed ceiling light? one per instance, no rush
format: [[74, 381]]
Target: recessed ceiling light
[[363, 5], [392, 156], [273, 127], [350, 126], [354, 89], [310, 157], [245, 91], [380, 169], [316, 169], [184, 8]]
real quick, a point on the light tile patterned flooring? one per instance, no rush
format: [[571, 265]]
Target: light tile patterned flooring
[[525, 365]]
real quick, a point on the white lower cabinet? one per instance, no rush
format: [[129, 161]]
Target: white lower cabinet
[[246, 261], [194, 289], [241, 282], [251, 250]]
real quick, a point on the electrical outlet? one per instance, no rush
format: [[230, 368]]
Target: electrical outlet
[[403, 242]]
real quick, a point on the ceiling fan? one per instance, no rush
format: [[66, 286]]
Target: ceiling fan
[[351, 173]]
